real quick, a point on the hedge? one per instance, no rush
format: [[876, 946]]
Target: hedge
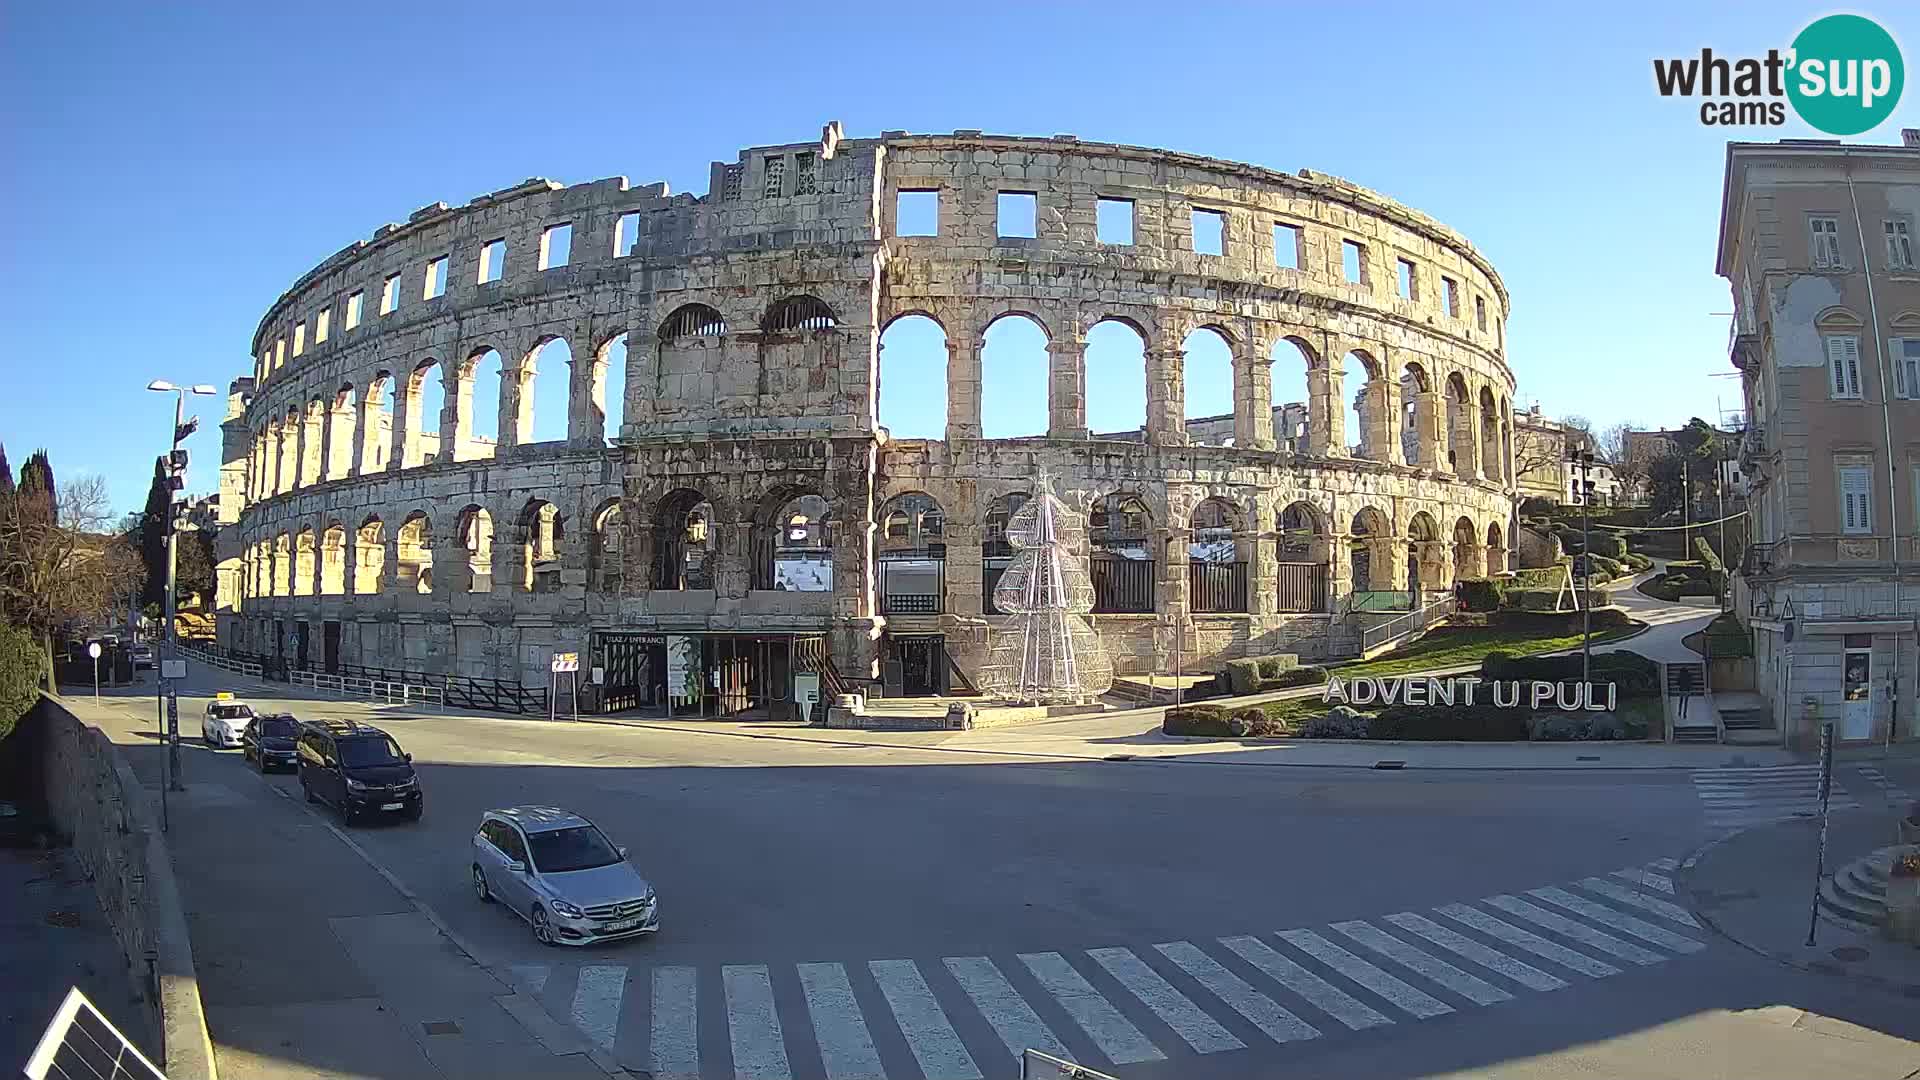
[[1479, 722], [1635, 675], [1610, 544], [1482, 594], [1550, 599], [21, 659], [1211, 721], [1278, 672]]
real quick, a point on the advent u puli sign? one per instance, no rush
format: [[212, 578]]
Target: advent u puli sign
[[1469, 689], [1842, 75]]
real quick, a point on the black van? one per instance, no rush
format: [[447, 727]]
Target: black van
[[356, 769]]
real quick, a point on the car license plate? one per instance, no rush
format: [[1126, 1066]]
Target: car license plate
[[623, 924], [391, 806]]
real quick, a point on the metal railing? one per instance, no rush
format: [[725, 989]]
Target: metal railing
[[1379, 600], [1215, 588], [1302, 587], [390, 691], [1402, 626], [912, 586], [214, 659], [1122, 586]]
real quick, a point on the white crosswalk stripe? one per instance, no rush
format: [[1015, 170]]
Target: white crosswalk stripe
[[1668, 865], [1177, 1010], [1018, 1026], [1126, 1006], [1111, 1032], [1734, 798], [1887, 791]]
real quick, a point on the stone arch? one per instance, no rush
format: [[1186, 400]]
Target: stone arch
[[376, 422], [798, 314], [333, 559], [1116, 377], [693, 320], [369, 556], [1838, 318], [606, 549], [912, 524], [1207, 385], [995, 552], [483, 419], [1496, 549], [542, 533], [1300, 411], [313, 428], [1489, 435], [283, 564], [1370, 431], [1371, 551], [475, 527], [1305, 544], [684, 541], [914, 355], [342, 425], [1426, 553], [426, 386], [1462, 438], [1015, 376], [542, 393], [1216, 559], [606, 392], [1468, 555], [1121, 542], [305, 553], [1505, 407], [1418, 416], [413, 554], [793, 541]]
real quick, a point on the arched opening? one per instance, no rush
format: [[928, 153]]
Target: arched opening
[[912, 560], [1466, 550], [682, 541], [413, 554], [1460, 433], [798, 314], [1216, 565], [283, 565], [480, 381], [793, 543], [333, 560], [313, 430], [1306, 558], [1120, 539], [376, 441], [342, 421], [1116, 387], [1505, 412], [290, 451], [1496, 549], [1425, 564], [995, 553], [426, 400], [693, 320], [913, 362], [1418, 422], [304, 553], [370, 557], [1371, 555], [1365, 424], [1293, 409], [1014, 377], [689, 364], [542, 532], [476, 536], [1489, 436], [610, 386], [546, 380], [606, 562], [270, 459], [1208, 387]]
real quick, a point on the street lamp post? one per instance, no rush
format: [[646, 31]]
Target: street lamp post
[[176, 481], [1581, 462]]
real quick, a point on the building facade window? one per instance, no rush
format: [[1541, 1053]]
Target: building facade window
[[1450, 296], [1113, 221], [1906, 366], [1856, 499], [1353, 262], [775, 174], [1824, 238], [1209, 232], [1899, 245], [1480, 312], [1843, 365], [1407, 279], [803, 175], [322, 325], [390, 294], [730, 183], [354, 305], [1286, 246], [435, 286]]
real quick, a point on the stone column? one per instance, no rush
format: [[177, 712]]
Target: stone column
[[1263, 567], [966, 570], [1427, 431], [1252, 402], [1066, 389], [1383, 421], [1326, 413], [852, 565], [1170, 598], [1470, 419], [450, 573], [1167, 399], [728, 548], [324, 469], [963, 389], [406, 399]]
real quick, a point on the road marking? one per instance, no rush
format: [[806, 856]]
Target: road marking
[[1528, 940], [935, 1045], [1665, 864], [1472, 987], [1648, 878], [1580, 932], [1419, 1003], [1280, 1025], [1018, 1026], [759, 1053], [1525, 974], [1662, 908], [1606, 916], [846, 1047], [1325, 996], [1202, 1032], [1111, 1032], [532, 976], [596, 1002], [676, 1023]]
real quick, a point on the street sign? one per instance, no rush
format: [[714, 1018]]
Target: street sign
[[173, 669], [566, 661], [93, 650], [806, 692]]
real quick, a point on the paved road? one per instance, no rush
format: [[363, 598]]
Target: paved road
[[843, 910]]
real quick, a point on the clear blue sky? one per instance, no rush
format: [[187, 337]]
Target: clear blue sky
[[169, 172]]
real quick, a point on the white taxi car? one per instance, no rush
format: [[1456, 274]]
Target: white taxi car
[[226, 721]]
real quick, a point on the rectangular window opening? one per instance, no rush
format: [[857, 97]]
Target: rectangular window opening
[[1825, 235], [1450, 296], [299, 339], [917, 213], [1899, 245], [1209, 232], [1856, 499], [1286, 246], [279, 353], [1019, 211], [556, 245], [1406, 279], [355, 304], [776, 176], [1906, 367], [322, 325], [626, 234], [436, 284], [1843, 366], [1480, 312], [1113, 221], [390, 294], [493, 260], [1353, 263], [804, 182]]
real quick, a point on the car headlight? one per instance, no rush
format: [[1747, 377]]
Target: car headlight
[[355, 785], [567, 909]]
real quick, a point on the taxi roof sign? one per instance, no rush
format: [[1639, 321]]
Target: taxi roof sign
[[224, 695]]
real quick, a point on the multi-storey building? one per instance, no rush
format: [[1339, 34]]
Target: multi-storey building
[[1817, 241]]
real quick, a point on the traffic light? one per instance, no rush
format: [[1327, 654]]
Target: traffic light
[[177, 470]]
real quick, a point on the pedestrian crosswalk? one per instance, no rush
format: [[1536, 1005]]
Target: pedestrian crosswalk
[[1736, 798], [1112, 1008]]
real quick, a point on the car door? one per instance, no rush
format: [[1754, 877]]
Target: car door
[[333, 784], [516, 887]]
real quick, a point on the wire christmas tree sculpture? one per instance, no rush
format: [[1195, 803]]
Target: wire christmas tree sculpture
[[1044, 652]]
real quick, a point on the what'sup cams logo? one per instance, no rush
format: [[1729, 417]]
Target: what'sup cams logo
[[1843, 75]]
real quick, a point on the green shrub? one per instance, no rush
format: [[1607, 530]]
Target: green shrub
[[1535, 506], [1304, 675], [1633, 674], [1272, 667], [1482, 594], [21, 660], [1243, 676], [1703, 551], [1479, 722], [1253, 675], [1610, 544], [1636, 562], [1340, 722], [1582, 727], [1204, 720]]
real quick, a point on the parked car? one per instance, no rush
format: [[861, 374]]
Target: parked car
[[142, 657], [560, 873], [225, 721], [272, 741], [356, 769]]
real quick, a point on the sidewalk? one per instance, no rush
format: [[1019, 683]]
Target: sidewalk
[[1756, 887], [311, 964]]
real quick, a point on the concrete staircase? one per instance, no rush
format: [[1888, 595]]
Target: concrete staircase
[[1745, 719], [1700, 725], [1855, 896]]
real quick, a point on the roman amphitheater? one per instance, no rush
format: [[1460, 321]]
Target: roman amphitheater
[[751, 511]]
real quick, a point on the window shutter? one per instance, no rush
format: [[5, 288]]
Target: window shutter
[[1855, 490], [1896, 347], [1909, 363], [1837, 365], [1852, 353]]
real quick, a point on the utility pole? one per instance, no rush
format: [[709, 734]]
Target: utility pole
[[176, 478], [1581, 462], [1686, 505]]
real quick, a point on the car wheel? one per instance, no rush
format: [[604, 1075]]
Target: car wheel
[[542, 929], [480, 885]]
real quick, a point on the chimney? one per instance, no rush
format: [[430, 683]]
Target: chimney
[[1910, 136]]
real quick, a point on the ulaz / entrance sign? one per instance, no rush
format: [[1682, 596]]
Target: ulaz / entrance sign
[[1505, 693]]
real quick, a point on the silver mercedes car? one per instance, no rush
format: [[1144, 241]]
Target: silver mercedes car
[[559, 872]]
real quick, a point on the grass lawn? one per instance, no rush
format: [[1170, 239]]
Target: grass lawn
[[1454, 646]]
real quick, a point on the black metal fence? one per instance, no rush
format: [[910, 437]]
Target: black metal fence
[[1122, 586], [1302, 587], [460, 691], [1216, 587]]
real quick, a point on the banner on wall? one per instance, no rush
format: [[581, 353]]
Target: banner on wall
[[683, 669]]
